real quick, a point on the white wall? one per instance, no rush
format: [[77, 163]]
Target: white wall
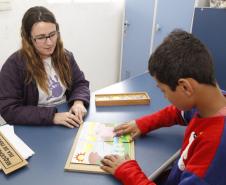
[[91, 29]]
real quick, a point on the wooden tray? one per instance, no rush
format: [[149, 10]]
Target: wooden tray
[[134, 98], [89, 168]]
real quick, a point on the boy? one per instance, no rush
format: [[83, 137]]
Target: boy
[[183, 70]]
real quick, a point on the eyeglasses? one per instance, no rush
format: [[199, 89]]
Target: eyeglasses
[[41, 39]]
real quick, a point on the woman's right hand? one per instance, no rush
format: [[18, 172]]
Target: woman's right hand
[[67, 119], [128, 128]]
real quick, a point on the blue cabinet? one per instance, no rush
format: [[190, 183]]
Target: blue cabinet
[[137, 36], [147, 23], [209, 25], [172, 14]]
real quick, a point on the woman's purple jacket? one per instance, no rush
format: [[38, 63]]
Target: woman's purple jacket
[[18, 101]]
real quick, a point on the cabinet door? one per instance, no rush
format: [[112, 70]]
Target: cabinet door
[[209, 26], [137, 37], [140, 40], [171, 14]]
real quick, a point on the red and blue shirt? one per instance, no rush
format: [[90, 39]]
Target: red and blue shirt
[[203, 154]]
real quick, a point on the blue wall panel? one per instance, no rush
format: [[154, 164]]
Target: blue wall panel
[[209, 25]]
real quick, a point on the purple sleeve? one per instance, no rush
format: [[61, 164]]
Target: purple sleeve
[[80, 86], [14, 105]]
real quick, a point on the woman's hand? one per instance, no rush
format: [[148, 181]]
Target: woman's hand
[[128, 128], [112, 162], [67, 119], [78, 109]]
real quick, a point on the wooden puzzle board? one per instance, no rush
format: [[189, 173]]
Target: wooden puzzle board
[[135, 98], [93, 141]]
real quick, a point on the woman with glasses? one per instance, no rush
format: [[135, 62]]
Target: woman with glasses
[[41, 75]]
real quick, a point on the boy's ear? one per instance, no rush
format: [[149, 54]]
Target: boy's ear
[[186, 86]]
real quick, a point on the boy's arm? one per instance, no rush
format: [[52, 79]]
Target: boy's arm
[[164, 118], [131, 174]]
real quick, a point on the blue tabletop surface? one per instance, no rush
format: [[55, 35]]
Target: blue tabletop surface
[[52, 144]]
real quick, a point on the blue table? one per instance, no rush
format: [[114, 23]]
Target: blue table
[[52, 144]]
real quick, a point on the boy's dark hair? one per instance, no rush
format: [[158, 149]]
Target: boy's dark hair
[[181, 55]]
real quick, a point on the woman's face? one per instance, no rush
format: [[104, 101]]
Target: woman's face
[[44, 37]]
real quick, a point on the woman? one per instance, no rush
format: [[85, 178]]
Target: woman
[[41, 75]]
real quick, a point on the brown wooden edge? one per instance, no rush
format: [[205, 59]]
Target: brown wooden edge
[[122, 102], [7, 152], [89, 168]]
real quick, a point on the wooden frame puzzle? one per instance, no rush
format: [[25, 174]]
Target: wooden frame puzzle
[[93, 141], [135, 98]]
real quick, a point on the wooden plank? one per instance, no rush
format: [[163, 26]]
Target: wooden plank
[[134, 98], [10, 159]]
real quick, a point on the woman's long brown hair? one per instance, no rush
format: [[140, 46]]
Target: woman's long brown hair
[[34, 64]]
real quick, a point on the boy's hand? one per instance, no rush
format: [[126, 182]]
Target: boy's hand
[[128, 128], [112, 162]]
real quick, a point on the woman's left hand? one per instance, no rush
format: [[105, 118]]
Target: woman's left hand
[[78, 109]]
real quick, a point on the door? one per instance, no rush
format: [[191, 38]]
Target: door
[[171, 14], [137, 37]]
